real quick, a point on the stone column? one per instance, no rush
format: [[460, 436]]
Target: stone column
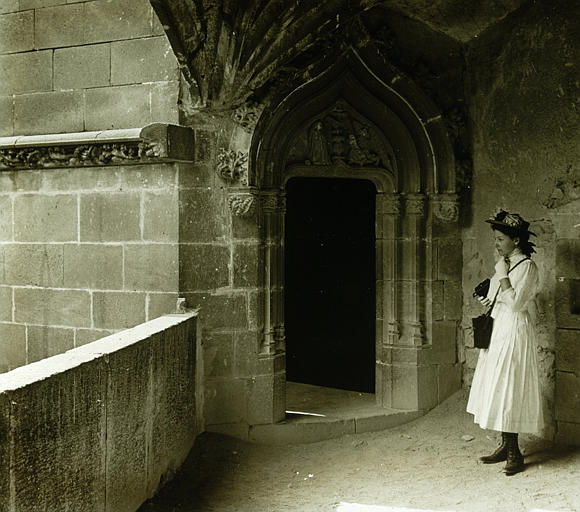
[[415, 210]]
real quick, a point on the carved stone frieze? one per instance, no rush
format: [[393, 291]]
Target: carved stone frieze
[[341, 136], [445, 207], [415, 205], [247, 115], [78, 155], [232, 166], [242, 204]]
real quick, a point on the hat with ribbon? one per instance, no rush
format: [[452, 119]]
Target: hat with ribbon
[[513, 221]]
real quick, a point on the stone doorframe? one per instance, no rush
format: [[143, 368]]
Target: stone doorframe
[[352, 122]]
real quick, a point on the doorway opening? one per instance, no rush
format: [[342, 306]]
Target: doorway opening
[[330, 283]]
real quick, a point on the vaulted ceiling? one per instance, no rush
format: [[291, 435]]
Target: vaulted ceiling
[[228, 49]]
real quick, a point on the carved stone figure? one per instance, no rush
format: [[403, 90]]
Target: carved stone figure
[[318, 145], [241, 205], [232, 166]]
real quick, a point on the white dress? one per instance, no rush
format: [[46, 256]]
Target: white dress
[[505, 392]]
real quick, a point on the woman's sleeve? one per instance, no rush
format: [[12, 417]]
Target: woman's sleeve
[[523, 289]]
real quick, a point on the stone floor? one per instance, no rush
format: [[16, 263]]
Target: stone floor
[[428, 464]]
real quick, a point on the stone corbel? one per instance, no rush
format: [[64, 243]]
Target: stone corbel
[[242, 204], [445, 207], [152, 144], [232, 166]]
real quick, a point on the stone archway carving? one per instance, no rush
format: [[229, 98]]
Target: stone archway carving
[[353, 123]]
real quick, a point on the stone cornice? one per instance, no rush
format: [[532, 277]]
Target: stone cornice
[[153, 143]]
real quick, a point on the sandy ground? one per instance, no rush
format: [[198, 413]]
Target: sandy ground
[[425, 465]]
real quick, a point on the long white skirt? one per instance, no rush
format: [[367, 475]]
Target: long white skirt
[[505, 392]]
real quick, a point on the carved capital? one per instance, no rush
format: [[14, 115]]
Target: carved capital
[[247, 115], [415, 205], [232, 166], [272, 201], [391, 205], [445, 207], [242, 204]]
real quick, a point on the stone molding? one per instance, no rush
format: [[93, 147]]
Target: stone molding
[[232, 166], [445, 207], [391, 204], [153, 143]]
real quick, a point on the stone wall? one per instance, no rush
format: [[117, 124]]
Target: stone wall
[[84, 253], [84, 65], [523, 102], [102, 426]]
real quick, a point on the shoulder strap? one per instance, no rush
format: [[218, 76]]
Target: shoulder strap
[[499, 287]]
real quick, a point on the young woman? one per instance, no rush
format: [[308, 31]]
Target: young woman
[[505, 393]]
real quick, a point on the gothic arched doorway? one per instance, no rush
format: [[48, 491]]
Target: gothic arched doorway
[[329, 294]]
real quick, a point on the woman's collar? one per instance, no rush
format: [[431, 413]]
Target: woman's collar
[[516, 255]]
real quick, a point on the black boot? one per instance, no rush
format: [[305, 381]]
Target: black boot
[[515, 459], [499, 455]]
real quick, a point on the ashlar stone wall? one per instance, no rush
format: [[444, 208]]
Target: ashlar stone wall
[[70, 66], [84, 253]]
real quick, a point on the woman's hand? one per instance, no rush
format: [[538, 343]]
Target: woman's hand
[[485, 301], [501, 268]]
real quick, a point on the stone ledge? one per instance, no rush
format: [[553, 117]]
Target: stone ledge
[[153, 143]]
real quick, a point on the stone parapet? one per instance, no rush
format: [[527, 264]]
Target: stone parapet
[[154, 143]]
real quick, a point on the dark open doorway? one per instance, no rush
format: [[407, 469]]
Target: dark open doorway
[[330, 283]]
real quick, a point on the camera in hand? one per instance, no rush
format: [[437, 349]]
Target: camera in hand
[[482, 288]]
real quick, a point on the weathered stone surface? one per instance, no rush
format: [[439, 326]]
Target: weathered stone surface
[[568, 350], [161, 304], [26, 72], [123, 19], [109, 108], [52, 436], [247, 263], [5, 218], [220, 311], [9, 6], [118, 310], [453, 300], [7, 115], [160, 216], [38, 4], [48, 112], [566, 306], [142, 60], [58, 214], [5, 304], [93, 266], [84, 336], [568, 258], [448, 380], [151, 267], [203, 267], [48, 341], [225, 401], [568, 433], [150, 176], [82, 67], [52, 307], [20, 181], [218, 355], [264, 398], [449, 258], [195, 175], [405, 387], [17, 32], [127, 411], [110, 217], [13, 353], [5, 455], [62, 25], [245, 353], [165, 102], [32, 265], [437, 300], [567, 397], [199, 217]]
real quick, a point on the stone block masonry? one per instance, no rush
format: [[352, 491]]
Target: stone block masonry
[[104, 425], [84, 253], [93, 65]]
